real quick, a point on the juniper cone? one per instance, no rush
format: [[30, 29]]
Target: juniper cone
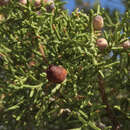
[[56, 74], [50, 5], [38, 3], [126, 44], [98, 22], [101, 43]]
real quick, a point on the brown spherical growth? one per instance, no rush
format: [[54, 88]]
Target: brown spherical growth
[[56, 74], [101, 43], [126, 44], [98, 22]]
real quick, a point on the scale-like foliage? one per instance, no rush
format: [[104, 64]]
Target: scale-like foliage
[[95, 93]]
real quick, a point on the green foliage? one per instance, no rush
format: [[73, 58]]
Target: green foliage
[[29, 100]]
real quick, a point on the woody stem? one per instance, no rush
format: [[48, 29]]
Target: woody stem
[[112, 117]]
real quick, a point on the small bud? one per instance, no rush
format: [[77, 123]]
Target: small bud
[[49, 4], [24, 2], [38, 12], [32, 63], [101, 43], [2, 17], [98, 22], [126, 44], [56, 74]]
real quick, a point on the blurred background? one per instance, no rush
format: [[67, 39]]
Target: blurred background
[[111, 5]]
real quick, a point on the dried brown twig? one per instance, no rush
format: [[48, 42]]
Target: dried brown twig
[[110, 113], [43, 54]]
